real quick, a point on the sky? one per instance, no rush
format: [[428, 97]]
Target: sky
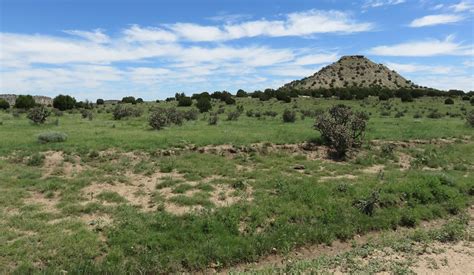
[[152, 49]]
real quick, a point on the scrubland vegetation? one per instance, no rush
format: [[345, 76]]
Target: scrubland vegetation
[[211, 181]]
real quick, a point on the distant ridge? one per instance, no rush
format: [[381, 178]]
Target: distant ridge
[[43, 100], [353, 71]]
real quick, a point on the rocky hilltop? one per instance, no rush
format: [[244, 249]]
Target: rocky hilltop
[[353, 71], [43, 100]]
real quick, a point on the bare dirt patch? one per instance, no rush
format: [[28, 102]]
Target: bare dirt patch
[[338, 177], [55, 164], [46, 204], [375, 169]]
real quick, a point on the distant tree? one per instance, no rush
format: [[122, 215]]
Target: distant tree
[[449, 101], [229, 100], [64, 102], [201, 95], [139, 100], [100, 101], [25, 102], [241, 93], [472, 101], [185, 101], [129, 99], [4, 104], [204, 104]]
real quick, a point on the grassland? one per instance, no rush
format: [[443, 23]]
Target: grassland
[[118, 197]]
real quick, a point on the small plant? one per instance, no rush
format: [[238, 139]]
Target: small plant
[[341, 128], [289, 116], [191, 114], [213, 118], [36, 160], [470, 118], [50, 137], [368, 205], [174, 116], [86, 114], [122, 111], [233, 115], [38, 114], [4, 104]]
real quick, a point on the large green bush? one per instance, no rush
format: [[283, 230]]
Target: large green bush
[[289, 116], [341, 128], [4, 104], [204, 104], [122, 111], [64, 102], [38, 114], [25, 102]]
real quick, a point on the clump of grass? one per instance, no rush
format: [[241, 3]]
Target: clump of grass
[[36, 159], [109, 196], [51, 137]]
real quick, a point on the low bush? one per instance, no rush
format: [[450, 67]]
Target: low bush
[[122, 111], [38, 114], [86, 114], [4, 104], [213, 118], [289, 116], [185, 101], [158, 120], [50, 137], [341, 128], [191, 114], [449, 101], [233, 115], [204, 104], [470, 118]]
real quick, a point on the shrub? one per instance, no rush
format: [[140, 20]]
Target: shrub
[[191, 114], [435, 114], [213, 118], [100, 101], [449, 101], [64, 102], [368, 205], [49, 137], [38, 114], [342, 128], [4, 104], [470, 118], [185, 101], [174, 116], [466, 98], [123, 111], [57, 112], [86, 114], [233, 115], [204, 104], [472, 101], [241, 93], [25, 102], [129, 99], [139, 100], [158, 120], [229, 100], [289, 116], [36, 159]]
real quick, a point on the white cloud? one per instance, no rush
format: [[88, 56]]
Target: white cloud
[[462, 6], [438, 7], [438, 19], [461, 82], [316, 59], [295, 24], [96, 36], [431, 47], [139, 34], [419, 68], [381, 3]]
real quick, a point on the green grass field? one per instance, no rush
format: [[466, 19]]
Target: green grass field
[[118, 197]]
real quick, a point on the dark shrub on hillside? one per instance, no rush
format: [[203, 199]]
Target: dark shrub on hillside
[[4, 104], [289, 116], [158, 119], [341, 128], [52, 137], [25, 102], [122, 111], [139, 100], [466, 97], [270, 113], [185, 101], [38, 114], [64, 102], [241, 93], [100, 101], [435, 114], [204, 104], [449, 101], [229, 100], [213, 118], [472, 101], [470, 118], [249, 113], [129, 99], [57, 112]]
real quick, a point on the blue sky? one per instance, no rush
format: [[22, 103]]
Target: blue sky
[[153, 49]]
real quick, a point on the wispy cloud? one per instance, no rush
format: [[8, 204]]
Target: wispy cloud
[[381, 3], [463, 6], [432, 47], [437, 19]]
